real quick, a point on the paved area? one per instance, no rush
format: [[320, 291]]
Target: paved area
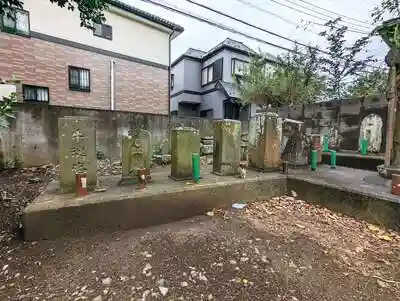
[[281, 250], [363, 181]]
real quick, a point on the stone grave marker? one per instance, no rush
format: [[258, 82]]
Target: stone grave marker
[[265, 130], [77, 151], [227, 141], [136, 154], [184, 142]]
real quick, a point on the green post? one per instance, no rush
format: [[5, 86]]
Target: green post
[[314, 159], [364, 146], [196, 167], [326, 143], [333, 159]]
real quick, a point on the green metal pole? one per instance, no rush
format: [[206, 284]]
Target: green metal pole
[[196, 167], [314, 159], [364, 146], [326, 143], [333, 159]]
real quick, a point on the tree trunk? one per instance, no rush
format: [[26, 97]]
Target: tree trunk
[[395, 162]]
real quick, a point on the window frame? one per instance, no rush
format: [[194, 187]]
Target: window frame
[[233, 66], [24, 86], [211, 66], [172, 81], [102, 35], [14, 30], [80, 88]]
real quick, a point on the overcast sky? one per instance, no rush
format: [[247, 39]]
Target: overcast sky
[[203, 36]]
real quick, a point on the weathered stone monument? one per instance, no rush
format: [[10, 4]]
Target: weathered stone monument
[[77, 151], [264, 141], [371, 130], [295, 145], [136, 155], [184, 142], [227, 141]]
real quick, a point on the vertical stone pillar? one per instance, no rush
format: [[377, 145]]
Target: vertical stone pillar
[[227, 140], [184, 142], [265, 141], [136, 155], [77, 151]]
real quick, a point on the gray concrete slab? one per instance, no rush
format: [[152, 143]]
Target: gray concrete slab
[[53, 214], [357, 193], [366, 182]]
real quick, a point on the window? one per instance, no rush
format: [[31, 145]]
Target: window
[[103, 31], [17, 23], [212, 72], [35, 93], [79, 79], [172, 81], [239, 67]]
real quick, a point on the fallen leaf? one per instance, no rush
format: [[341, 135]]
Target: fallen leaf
[[163, 290], [373, 228], [210, 213], [381, 283], [294, 193], [300, 226], [385, 237]]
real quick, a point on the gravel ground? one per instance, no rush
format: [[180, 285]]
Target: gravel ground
[[280, 250], [283, 250]]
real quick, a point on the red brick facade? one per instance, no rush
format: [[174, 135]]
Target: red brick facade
[[138, 87]]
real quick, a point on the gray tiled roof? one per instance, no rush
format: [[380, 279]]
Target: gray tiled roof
[[145, 15], [230, 89], [196, 53], [233, 44]]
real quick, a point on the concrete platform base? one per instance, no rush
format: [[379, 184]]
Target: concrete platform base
[[52, 214], [354, 160], [358, 193]]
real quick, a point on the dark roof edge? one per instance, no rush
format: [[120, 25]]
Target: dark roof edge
[[185, 56], [145, 15]]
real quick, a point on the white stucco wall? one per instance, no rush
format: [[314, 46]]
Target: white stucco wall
[[131, 35]]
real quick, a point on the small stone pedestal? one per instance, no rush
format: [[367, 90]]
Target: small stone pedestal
[[77, 151], [184, 142], [136, 155], [227, 140], [265, 142]]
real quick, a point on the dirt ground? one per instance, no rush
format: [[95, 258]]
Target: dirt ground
[[278, 250]]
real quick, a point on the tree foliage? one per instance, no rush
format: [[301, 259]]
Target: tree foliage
[[369, 83], [6, 110], [256, 85], [90, 11], [342, 61], [297, 77], [386, 9], [293, 79]]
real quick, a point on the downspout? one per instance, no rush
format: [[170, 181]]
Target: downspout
[[112, 85], [169, 76]]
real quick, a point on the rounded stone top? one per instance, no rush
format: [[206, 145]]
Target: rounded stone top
[[185, 129], [227, 121]]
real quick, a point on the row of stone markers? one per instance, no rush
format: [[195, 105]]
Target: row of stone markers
[[78, 163]]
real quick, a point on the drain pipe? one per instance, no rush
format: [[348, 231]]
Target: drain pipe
[[112, 85], [169, 76]]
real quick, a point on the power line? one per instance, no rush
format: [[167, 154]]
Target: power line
[[249, 4], [175, 9], [314, 16], [326, 15], [330, 11], [250, 25], [178, 10]]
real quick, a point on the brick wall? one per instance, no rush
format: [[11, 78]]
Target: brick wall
[[138, 87]]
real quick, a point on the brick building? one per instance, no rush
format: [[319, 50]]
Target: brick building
[[120, 65]]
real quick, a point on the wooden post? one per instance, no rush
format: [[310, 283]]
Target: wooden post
[[396, 184], [392, 106]]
